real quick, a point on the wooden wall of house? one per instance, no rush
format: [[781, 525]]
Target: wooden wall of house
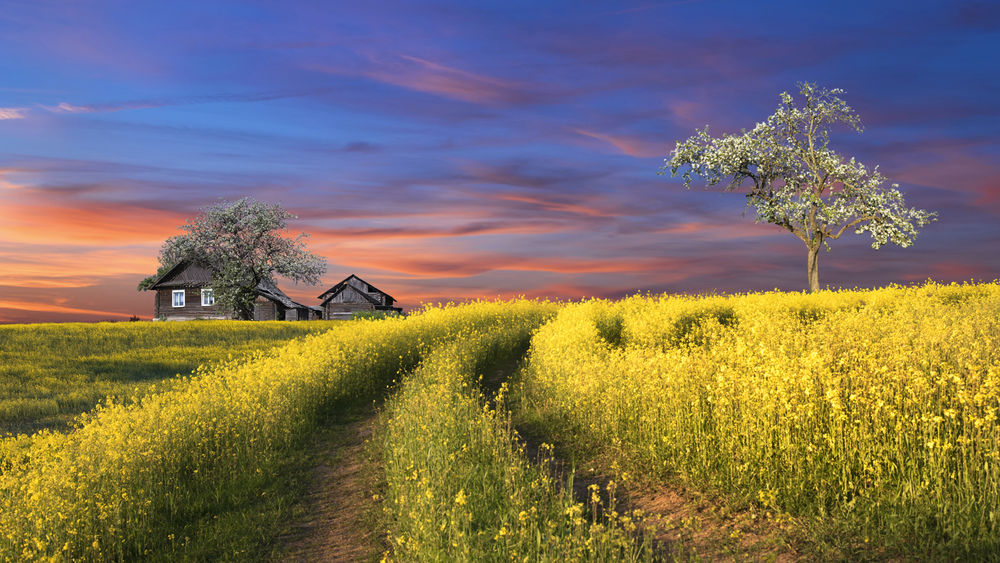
[[358, 284], [297, 314], [332, 311], [305, 314], [352, 294], [363, 287], [266, 310], [192, 308]]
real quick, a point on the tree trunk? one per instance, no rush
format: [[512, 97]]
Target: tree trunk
[[813, 269]]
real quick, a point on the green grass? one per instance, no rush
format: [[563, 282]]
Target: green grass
[[50, 373]]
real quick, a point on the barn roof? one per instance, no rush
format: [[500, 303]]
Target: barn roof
[[343, 283]]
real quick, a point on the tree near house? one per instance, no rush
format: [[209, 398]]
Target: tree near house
[[796, 181], [242, 243]]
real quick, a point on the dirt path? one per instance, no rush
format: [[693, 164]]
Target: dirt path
[[685, 525], [689, 525], [337, 522]]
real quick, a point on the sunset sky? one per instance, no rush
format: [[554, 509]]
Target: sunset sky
[[456, 150]]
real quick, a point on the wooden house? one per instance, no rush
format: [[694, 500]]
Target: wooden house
[[353, 295], [185, 292]]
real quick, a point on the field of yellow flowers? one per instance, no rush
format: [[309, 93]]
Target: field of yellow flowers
[[459, 487], [149, 479], [867, 417], [873, 413]]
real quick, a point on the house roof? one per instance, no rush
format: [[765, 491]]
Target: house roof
[[341, 285], [270, 291], [349, 287], [183, 274]]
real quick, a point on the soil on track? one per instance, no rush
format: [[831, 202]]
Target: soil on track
[[337, 522], [684, 525]]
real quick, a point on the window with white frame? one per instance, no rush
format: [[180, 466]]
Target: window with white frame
[[207, 298], [178, 295]]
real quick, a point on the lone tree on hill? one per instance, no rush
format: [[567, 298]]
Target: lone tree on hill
[[798, 182], [242, 244]]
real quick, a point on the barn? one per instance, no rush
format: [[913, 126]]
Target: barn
[[353, 295], [185, 292]]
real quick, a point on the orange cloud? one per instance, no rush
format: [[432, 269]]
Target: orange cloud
[[86, 223], [47, 267], [631, 146], [42, 307]]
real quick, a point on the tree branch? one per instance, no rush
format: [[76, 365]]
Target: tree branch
[[791, 228], [849, 225]]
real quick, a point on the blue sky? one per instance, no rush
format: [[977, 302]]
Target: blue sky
[[458, 150]]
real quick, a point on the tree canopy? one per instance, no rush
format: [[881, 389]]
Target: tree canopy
[[796, 181], [243, 244]]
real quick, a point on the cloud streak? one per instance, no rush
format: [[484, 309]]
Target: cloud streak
[[631, 146], [429, 77], [13, 113]]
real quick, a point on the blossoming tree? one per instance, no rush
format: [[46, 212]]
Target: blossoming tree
[[796, 181], [242, 243]]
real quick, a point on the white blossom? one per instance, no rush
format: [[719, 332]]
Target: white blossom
[[796, 180]]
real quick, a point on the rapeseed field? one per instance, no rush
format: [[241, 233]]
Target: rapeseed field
[[865, 420], [871, 414], [459, 487], [129, 480]]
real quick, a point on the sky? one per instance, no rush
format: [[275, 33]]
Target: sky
[[457, 150]]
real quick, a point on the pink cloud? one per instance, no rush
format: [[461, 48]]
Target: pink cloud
[[13, 113], [5, 180], [422, 75], [955, 170], [471, 229], [730, 230], [631, 146], [64, 107], [426, 262]]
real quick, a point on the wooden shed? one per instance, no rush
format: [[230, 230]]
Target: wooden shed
[[353, 295]]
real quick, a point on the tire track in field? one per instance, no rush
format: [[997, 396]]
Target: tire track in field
[[683, 524], [337, 522]]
